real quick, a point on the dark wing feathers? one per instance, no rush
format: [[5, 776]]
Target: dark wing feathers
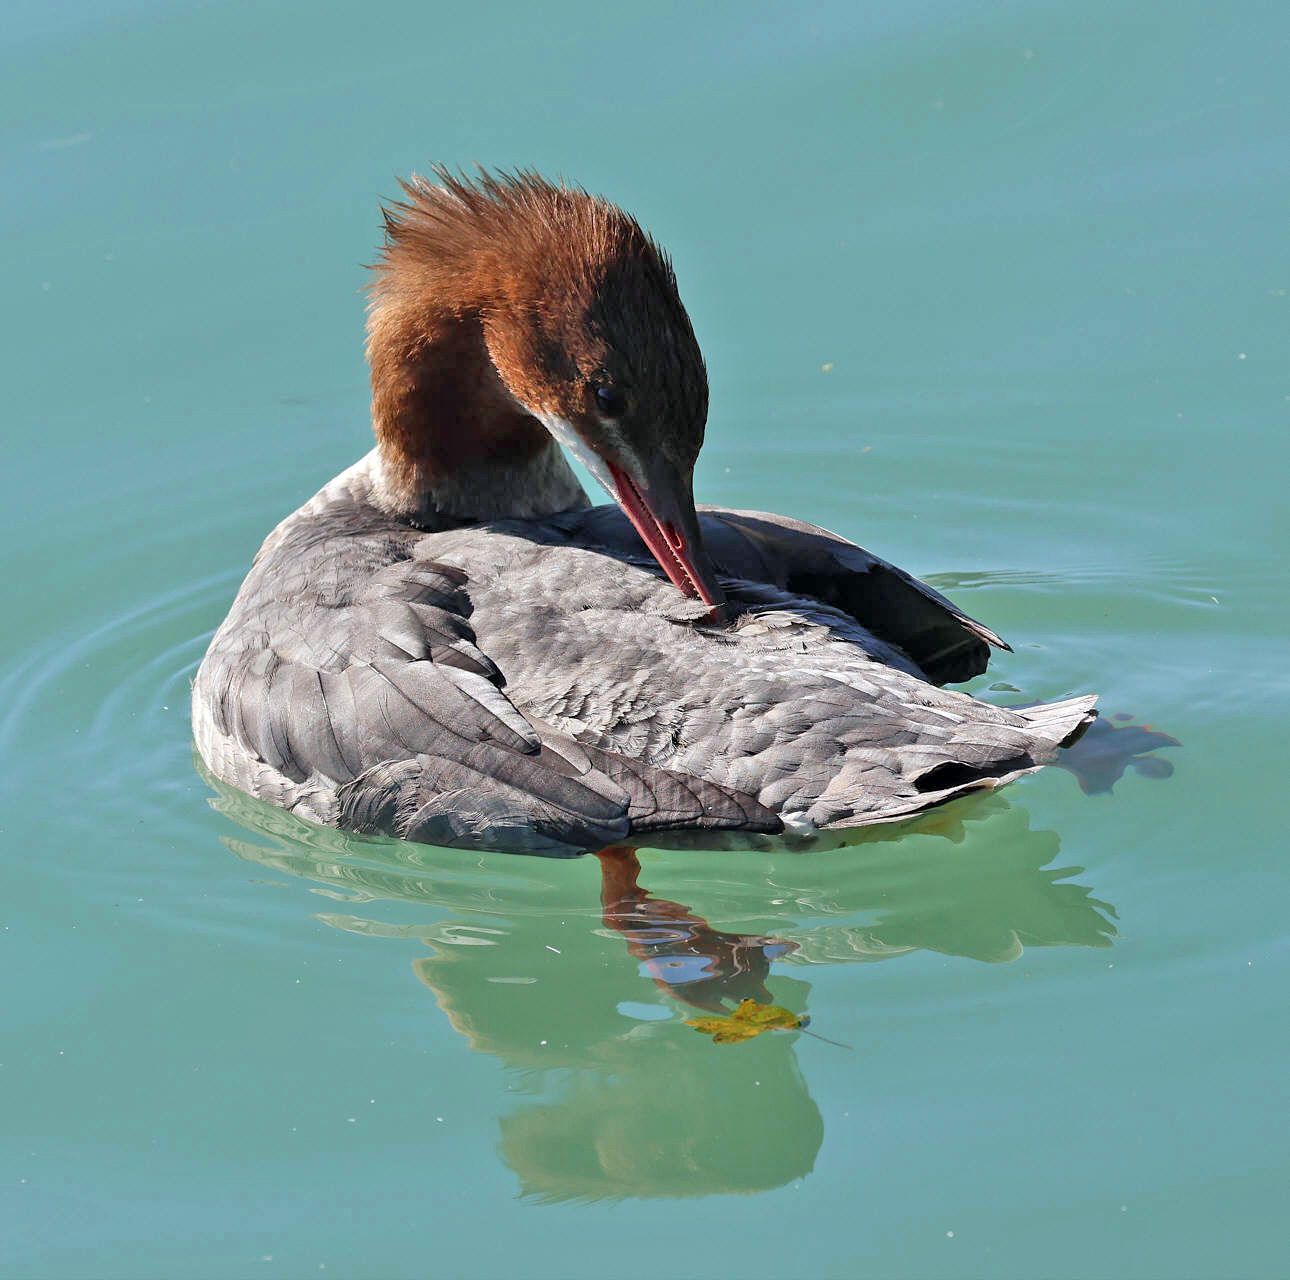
[[946, 644], [544, 803], [387, 718], [757, 547], [661, 800]]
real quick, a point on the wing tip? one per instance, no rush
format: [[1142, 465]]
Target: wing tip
[[982, 632]]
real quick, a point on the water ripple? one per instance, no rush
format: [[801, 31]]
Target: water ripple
[[113, 694]]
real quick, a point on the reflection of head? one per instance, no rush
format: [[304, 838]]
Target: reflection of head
[[531, 1007], [643, 1108], [692, 1119]]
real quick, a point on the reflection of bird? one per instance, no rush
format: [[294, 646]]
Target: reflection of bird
[[672, 1117], [639, 1108], [446, 644], [525, 971], [970, 880], [681, 951]]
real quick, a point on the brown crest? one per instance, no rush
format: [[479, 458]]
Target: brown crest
[[507, 296]]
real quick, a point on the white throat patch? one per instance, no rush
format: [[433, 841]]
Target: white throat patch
[[564, 432]]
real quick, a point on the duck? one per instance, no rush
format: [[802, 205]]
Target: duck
[[449, 643]]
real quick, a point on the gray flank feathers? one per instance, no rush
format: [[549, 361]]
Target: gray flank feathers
[[539, 687]]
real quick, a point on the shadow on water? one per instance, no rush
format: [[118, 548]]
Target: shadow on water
[[579, 979], [1110, 747]]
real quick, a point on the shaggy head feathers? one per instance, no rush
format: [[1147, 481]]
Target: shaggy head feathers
[[570, 295]]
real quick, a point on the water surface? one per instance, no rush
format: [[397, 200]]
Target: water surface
[[998, 290]]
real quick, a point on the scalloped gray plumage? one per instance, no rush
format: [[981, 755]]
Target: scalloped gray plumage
[[537, 686]]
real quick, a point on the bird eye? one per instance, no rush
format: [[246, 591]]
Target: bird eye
[[611, 402]]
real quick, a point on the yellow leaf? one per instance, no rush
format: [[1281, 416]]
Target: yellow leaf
[[748, 1020]]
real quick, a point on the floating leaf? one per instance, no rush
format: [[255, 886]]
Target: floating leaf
[[748, 1020]]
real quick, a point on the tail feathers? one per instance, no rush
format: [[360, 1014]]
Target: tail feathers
[[1058, 724], [1054, 725]]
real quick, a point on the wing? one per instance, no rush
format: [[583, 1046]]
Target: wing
[[377, 712], [946, 644]]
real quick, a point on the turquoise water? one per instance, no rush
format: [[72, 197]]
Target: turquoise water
[[998, 290]]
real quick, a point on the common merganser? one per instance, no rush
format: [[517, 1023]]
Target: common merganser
[[449, 644]]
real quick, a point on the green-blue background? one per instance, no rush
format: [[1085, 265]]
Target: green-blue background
[[1042, 249]]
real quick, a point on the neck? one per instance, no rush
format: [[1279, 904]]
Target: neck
[[451, 441]]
